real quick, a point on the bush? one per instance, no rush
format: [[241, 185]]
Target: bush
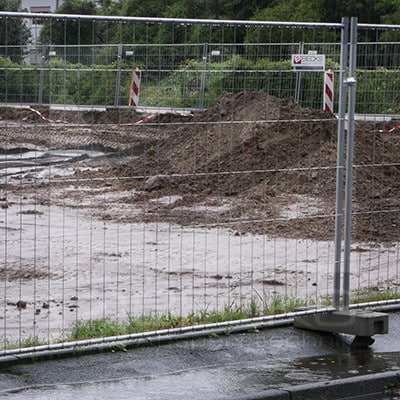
[[70, 83]]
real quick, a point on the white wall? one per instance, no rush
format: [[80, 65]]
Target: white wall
[[37, 6]]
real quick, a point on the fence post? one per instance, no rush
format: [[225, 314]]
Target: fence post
[[297, 88], [118, 76], [41, 82], [351, 82], [340, 162], [203, 76]]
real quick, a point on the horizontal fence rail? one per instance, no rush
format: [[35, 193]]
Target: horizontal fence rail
[[203, 195]]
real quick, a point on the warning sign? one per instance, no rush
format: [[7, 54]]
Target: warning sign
[[308, 62]]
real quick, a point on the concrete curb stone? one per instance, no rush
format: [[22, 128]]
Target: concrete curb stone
[[363, 387]]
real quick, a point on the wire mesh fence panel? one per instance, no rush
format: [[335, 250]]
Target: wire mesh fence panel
[[375, 252], [211, 200]]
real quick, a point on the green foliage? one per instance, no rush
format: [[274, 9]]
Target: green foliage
[[72, 32], [239, 74], [31, 341], [181, 88], [299, 11], [18, 82], [188, 9], [97, 328], [291, 10], [378, 91], [67, 32], [91, 85], [69, 83], [13, 32], [367, 11], [258, 306], [374, 294]]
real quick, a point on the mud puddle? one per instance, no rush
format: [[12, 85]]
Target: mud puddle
[[352, 363], [21, 160]]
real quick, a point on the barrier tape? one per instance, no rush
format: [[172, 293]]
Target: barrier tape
[[389, 130], [142, 121], [152, 116], [147, 119], [54, 121]]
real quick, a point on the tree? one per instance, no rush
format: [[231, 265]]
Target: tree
[[14, 34], [289, 10], [241, 10], [367, 11], [389, 11], [72, 32]]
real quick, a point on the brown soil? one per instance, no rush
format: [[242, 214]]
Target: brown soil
[[251, 151]]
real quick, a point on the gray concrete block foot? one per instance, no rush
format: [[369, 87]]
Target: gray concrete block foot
[[362, 324]]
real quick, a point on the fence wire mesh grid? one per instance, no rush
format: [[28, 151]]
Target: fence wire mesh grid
[[216, 200]]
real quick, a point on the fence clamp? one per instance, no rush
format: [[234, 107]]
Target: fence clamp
[[351, 80]]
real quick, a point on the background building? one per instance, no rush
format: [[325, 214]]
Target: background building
[[35, 25]]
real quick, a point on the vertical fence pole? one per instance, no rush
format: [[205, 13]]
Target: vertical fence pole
[[41, 82], [351, 82], [340, 161], [298, 77], [118, 76], [203, 76]]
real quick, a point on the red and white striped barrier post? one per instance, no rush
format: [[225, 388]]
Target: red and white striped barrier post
[[328, 91], [135, 88]]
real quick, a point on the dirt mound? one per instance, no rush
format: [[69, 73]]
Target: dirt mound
[[376, 182], [255, 132], [253, 162], [250, 147], [254, 106], [261, 152]]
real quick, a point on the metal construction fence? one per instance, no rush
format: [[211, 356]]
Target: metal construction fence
[[218, 196], [187, 75]]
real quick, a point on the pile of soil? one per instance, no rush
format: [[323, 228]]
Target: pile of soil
[[256, 150], [261, 151], [243, 164], [376, 190]]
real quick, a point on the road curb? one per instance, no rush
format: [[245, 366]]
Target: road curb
[[363, 387]]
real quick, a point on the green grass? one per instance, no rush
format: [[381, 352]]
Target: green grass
[[258, 306], [374, 294], [31, 341]]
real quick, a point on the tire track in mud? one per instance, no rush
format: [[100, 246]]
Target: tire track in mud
[[31, 148], [56, 136]]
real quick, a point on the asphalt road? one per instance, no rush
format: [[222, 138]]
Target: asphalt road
[[228, 366]]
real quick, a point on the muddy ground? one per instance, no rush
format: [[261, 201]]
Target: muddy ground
[[251, 169], [254, 151]]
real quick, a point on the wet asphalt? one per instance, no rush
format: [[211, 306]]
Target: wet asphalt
[[212, 367]]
